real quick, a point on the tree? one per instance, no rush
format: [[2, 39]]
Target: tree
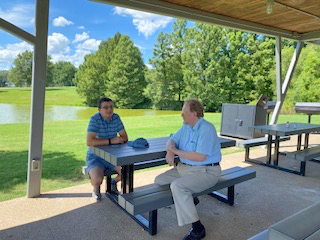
[[63, 73], [308, 82], [125, 79], [166, 86], [223, 65], [206, 59], [3, 77], [89, 79], [21, 74], [161, 81], [116, 70]]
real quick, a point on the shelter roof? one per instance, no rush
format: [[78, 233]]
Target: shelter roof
[[292, 19]]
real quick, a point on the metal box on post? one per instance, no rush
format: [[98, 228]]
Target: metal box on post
[[237, 118]]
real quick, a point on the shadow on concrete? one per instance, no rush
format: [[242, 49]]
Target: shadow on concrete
[[65, 195]]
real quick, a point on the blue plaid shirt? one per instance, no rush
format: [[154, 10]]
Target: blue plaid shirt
[[103, 128]]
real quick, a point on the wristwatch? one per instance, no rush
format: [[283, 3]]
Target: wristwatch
[[109, 141]]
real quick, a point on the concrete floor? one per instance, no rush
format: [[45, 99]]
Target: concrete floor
[[70, 213]]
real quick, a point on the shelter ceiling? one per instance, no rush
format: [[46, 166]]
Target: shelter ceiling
[[292, 19], [305, 19]]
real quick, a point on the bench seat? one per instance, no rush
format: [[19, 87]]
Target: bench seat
[[153, 197], [247, 144], [302, 225], [258, 141], [305, 154]]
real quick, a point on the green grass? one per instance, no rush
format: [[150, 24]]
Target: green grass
[[66, 96]]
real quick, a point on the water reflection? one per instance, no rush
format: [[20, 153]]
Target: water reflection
[[15, 113]]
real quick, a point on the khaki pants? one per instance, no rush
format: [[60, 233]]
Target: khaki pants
[[185, 180]]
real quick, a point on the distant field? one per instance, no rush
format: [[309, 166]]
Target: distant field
[[66, 96]]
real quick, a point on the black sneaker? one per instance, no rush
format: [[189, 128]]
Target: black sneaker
[[196, 201], [195, 235], [114, 189]]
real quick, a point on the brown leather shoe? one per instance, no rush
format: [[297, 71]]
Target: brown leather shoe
[[195, 235]]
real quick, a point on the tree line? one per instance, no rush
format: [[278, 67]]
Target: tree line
[[58, 74], [217, 65]]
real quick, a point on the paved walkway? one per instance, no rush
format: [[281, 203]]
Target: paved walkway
[[70, 213]]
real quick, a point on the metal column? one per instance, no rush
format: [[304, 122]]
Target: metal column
[[282, 89], [39, 69]]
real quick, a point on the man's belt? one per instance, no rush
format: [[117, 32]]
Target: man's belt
[[209, 164]]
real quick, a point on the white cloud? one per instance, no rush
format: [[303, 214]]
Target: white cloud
[[76, 59], [61, 22], [80, 37], [21, 15], [140, 48], [59, 50], [90, 44], [81, 27], [8, 53], [149, 66], [58, 44], [146, 23]]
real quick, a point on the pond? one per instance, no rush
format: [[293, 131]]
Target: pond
[[16, 113]]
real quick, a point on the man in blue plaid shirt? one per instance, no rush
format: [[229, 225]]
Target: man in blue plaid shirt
[[105, 128]]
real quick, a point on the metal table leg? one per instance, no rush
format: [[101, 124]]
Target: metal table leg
[[124, 180], [299, 143], [130, 178], [306, 140], [276, 151], [269, 145]]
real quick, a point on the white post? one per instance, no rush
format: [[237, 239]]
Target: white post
[[282, 89], [39, 69]]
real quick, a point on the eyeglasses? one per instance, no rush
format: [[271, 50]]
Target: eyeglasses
[[107, 107]]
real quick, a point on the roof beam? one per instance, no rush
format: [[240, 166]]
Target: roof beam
[[18, 32], [310, 36], [169, 9]]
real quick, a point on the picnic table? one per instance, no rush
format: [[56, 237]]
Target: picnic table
[[126, 156], [281, 130], [151, 198]]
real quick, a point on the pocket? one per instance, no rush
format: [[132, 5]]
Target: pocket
[[215, 170]]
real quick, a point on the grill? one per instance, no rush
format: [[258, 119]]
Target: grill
[[269, 107], [308, 108]]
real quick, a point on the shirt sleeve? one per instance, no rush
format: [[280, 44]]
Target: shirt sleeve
[[93, 125], [120, 125], [176, 137], [206, 141]]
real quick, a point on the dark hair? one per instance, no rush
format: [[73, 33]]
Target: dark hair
[[104, 99], [195, 106]]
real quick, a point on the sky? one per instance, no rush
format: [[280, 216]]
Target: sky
[[76, 28]]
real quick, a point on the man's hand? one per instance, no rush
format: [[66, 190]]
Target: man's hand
[[117, 140], [170, 158]]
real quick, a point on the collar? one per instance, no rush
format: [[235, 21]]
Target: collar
[[196, 126], [112, 117]]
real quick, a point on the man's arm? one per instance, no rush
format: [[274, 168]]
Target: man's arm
[[192, 156], [170, 155], [92, 140]]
